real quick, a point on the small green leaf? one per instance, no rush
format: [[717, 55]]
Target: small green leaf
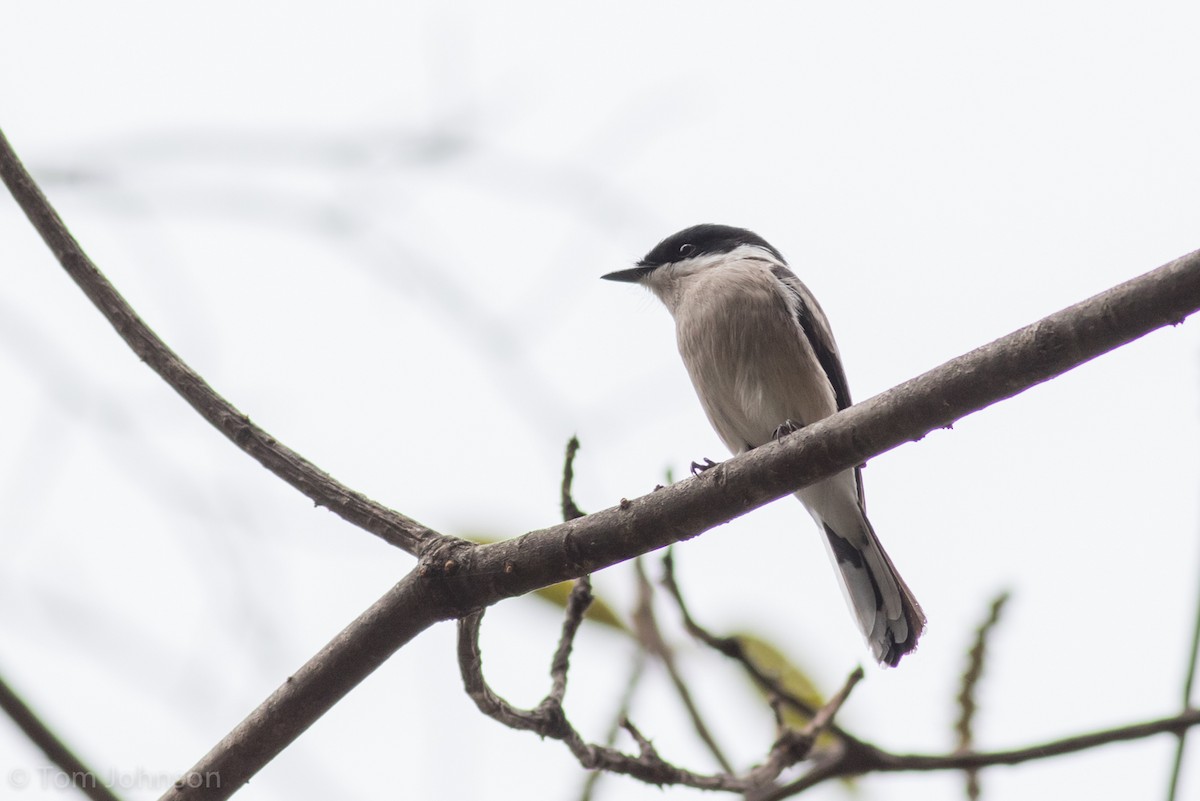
[[771, 661], [599, 611]]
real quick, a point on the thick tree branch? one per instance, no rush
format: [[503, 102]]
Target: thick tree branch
[[455, 578], [405, 611], [293, 468]]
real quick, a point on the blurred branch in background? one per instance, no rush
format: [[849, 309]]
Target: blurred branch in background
[[736, 648], [967, 703], [1189, 682], [78, 774], [273, 455], [636, 672], [651, 639], [456, 579], [371, 216]]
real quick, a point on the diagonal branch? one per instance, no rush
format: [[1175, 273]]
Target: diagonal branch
[[323, 489], [73, 769], [732, 648]]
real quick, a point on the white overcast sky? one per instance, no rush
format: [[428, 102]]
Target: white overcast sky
[[377, 228]]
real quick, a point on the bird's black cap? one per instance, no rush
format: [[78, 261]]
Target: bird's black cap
[[699, 240]]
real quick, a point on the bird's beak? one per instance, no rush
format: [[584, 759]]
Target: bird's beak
[[631, 276]]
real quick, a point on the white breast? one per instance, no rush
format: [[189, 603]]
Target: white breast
[[748, 358]]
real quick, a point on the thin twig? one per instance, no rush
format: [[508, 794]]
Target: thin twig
[[577, 604], [1066, 745], [549, 720], [876, 760], [651, 638], [1188, 683], [470, 661], [732, 648], [645, 747], [964, 727], [31, 725], [728, 646], [610, 738], [569, 510], [794, 746]]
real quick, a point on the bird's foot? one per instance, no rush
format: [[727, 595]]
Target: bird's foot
[[698, 468], [789, 427]]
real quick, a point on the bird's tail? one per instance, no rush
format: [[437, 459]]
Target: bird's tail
[[887, 613]]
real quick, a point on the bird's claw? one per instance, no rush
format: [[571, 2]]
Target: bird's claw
[[789, 426], [698, 468]]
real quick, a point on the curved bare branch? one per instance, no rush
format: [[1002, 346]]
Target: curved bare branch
[[323, 489]]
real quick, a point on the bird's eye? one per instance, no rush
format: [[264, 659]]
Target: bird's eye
[[687, 250]]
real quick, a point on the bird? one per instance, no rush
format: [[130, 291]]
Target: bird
[[763, 361]]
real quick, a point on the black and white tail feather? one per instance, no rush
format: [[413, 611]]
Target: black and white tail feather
[[762, 358]]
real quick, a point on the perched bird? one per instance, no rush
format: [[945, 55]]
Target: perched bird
[[763, 361]]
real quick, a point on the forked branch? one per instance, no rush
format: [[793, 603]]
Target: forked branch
[[549, 720]]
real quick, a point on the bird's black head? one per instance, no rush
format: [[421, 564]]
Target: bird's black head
[[699, 240], [702, 240]]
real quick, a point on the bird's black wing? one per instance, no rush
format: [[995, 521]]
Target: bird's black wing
[[816, 327]]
